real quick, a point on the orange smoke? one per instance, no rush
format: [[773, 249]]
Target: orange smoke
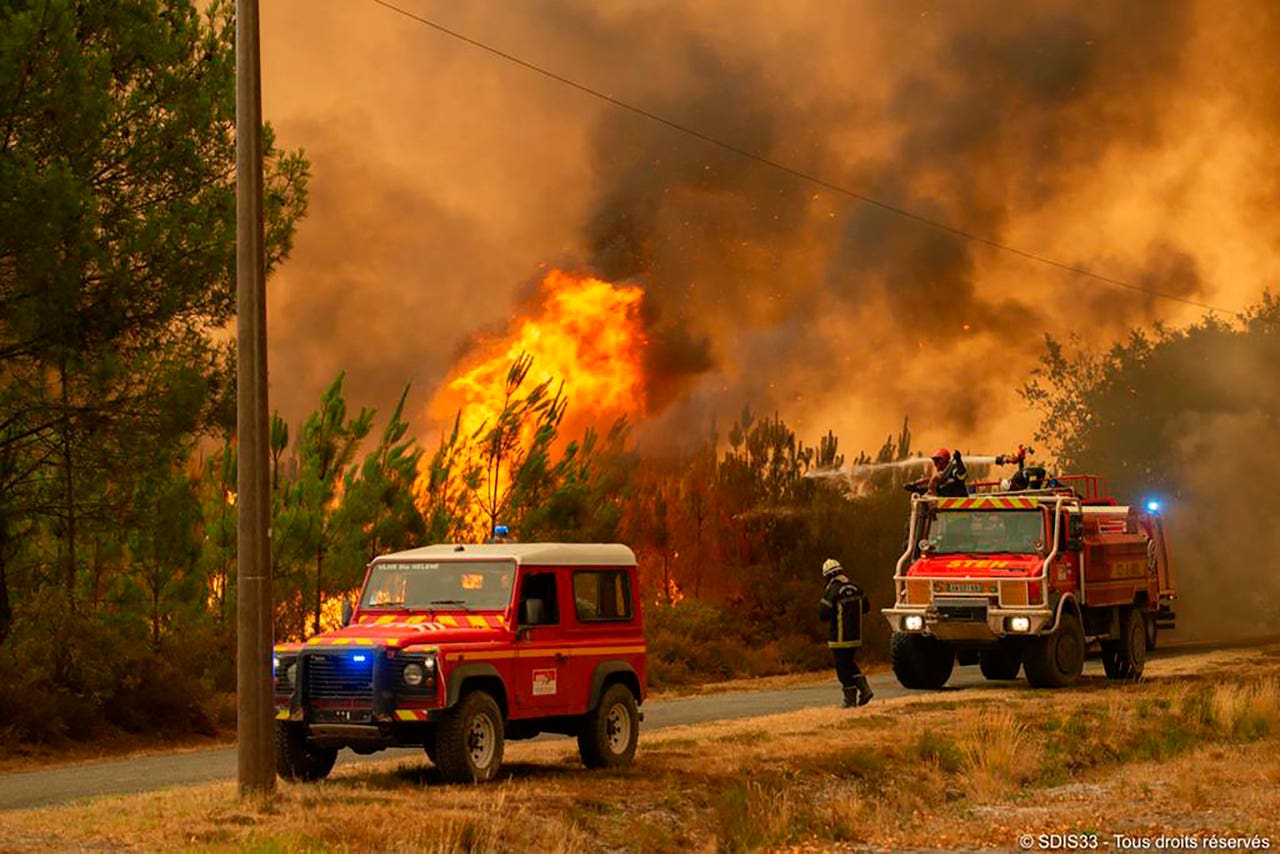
[[584, 336]]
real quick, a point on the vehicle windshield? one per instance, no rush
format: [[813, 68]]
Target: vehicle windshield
[[473, 585], [989, 532]]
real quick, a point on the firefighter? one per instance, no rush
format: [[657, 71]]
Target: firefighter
[[948, 478], [843, 605], [1026, 477]]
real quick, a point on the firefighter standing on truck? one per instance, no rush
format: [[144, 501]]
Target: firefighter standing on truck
[[843, 605], [948, 478]]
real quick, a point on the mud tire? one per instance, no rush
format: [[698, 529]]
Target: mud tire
[[610, 731], [1056, 660], [297, 761], [1126, 657], [469, 740], [920, 661]]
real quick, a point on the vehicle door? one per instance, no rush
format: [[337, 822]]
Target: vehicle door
[[541, 656], [603, 626]]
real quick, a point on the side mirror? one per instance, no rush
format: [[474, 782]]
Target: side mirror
[[346, 612], [533, 612], [927, 546]]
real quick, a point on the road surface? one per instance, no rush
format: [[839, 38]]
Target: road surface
[[62, 785]]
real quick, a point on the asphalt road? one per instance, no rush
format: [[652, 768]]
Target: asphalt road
[[62, 785]]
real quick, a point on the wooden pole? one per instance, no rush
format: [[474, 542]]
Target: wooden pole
[[254, 724]]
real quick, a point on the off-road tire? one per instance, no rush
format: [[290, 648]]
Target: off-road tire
[[1001, 663], [609, 732], [429, 747], [469, 740], [920, 661], [297, 761], [1152, 631], [1056, 660], [1126, 657]]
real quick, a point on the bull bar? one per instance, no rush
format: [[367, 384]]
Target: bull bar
[[1042, 618]]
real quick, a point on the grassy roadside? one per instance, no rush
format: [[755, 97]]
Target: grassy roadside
[[1191, 750], [17, 758]]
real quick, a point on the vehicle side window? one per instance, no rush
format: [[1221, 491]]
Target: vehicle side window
[[602, 596], [538, 606]]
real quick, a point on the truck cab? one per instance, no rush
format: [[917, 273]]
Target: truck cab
[[457, 648], [1029, 579]]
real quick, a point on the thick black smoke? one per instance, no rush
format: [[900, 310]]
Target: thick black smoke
[[1011, 105]]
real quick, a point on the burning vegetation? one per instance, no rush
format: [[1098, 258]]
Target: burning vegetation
[[1120, 140], [582, 336]]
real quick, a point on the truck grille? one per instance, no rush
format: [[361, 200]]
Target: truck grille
[[340, 676], [961, 611]]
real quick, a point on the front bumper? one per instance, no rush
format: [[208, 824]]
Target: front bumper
[[354, 689], [960, 620]]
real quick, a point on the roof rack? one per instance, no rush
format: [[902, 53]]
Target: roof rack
[[1089, 488]]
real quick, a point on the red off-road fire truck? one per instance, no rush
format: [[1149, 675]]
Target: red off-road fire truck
[[1028, 580], [456, 648]]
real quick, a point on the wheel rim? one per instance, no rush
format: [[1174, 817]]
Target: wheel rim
[[617, 728], [481, 741], [1138, 644], [1068, 654]]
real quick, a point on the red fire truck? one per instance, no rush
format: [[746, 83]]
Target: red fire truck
[[1028, 579]]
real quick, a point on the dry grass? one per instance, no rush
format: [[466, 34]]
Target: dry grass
[[968, 768]]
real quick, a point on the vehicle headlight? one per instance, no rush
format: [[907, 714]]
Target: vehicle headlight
[[1020, 624], [913, 623], [414, 674]]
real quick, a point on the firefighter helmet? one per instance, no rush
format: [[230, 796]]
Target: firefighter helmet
[[830, 567], [941, 457]]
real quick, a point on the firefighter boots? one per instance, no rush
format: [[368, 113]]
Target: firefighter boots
[[863, 691], [850, 697]]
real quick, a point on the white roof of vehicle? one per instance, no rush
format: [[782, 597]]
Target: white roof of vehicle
[[530, 554]]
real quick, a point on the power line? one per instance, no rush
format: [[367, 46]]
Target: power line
[[798, 173]]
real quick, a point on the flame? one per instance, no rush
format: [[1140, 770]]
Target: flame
[[584, 335], [585, 332]]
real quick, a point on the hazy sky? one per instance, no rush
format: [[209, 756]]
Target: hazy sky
[[1136, 139]]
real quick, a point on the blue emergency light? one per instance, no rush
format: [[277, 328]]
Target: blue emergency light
[[358, 658], [1153, 506]]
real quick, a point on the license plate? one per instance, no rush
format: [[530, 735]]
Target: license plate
[[342, 716]]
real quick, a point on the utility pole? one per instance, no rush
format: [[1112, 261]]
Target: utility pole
[[257, 767]]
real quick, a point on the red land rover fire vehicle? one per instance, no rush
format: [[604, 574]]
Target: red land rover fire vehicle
[[1028, 579], [457, 647]]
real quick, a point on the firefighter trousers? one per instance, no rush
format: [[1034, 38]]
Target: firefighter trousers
[[847, 669]]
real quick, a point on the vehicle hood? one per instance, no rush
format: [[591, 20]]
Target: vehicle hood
[[977, 566], [404, 630]]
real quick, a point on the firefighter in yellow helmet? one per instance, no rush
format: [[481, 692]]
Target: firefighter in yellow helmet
[[843, 605]]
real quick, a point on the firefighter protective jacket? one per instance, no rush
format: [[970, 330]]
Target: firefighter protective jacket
[[843, 605], [951, 480]]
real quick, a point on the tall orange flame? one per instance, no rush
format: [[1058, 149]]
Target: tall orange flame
[[585, 335], [585, 332]]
